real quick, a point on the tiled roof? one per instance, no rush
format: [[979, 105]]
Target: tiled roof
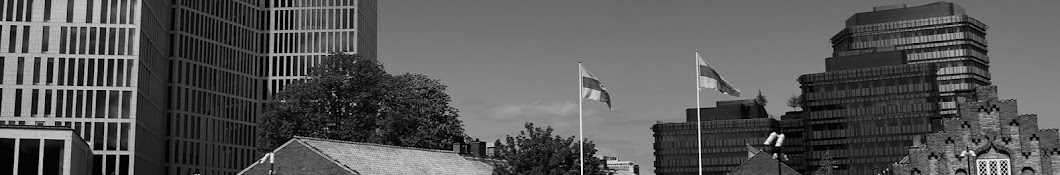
[[761, 163], [366, 158]]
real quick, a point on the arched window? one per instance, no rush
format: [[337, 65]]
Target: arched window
[[960, 172], [993, 167], [1027, 171]]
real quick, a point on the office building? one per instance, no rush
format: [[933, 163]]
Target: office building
[[30, 149], [989, 136], [727, 130], [867, 117], [939, 33], [166, 86], [614, 166], [895, 73]]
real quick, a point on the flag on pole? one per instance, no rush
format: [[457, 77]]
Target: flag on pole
[[708, 78], [592, 89]]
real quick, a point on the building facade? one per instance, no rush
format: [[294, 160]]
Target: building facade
[[1004, 142], [867, 117], [895, 73], [150, 84], [939, 33], [49, 150], [727, 130]]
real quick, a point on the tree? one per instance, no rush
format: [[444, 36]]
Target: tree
[[761, 99], [827, 165], [537, 151], [794, 101], [350, 98]]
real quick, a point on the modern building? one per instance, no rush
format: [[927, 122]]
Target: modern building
[[727, 130], [1002, 141], [614, 166], [895, 73], [29, 149], [793, 127], [940, 33], [867, 117], [304, 155], [150, 84]]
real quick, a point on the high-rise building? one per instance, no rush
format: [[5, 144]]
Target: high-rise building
[[866, 118], [939, 33], [166, 86], [895, 73], [727, 131]]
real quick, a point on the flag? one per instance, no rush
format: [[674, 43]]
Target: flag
[[592, 89], [708, 78]]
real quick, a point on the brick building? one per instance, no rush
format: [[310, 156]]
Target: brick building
[[1004, 142]]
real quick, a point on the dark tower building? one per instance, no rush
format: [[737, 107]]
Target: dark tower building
[[939, 33], [895, 73]]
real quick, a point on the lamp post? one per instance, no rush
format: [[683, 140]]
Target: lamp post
[[968, 154], [779, 140]]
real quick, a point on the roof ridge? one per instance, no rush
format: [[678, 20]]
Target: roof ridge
[[373, 144]]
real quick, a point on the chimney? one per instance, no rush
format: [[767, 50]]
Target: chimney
[[477, 148], [491, 149]]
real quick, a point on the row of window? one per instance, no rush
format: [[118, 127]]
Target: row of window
[[840, 113], [233, 11], [277, 85], [713, 161], [733, 148], [184, 154], [918, 33], [217, 105], [67, 71], [116, 164], [217, 30], [102, 136], [315, 42], [667, 138], [314, 19], [859, 74], [708, 143], [68, 103], [916, 23], [311, 3], [105, 12], [211, 129], [892, 81], [71, 40], [281, 66], [32, 154], [211, 53], [213, 79]]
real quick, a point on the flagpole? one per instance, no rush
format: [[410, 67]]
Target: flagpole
[[581, 139], [699, 125]]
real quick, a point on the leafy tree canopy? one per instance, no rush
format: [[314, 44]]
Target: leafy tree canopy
[[350, 98], [537, 151]]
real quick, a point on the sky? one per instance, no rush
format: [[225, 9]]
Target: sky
[[510, 62]]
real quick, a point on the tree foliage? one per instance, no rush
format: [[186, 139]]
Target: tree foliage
[[350, 98], [827, 165], [537, 151], [793, 102], [761, 99]]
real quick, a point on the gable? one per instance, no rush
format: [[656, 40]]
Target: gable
[[761, 163], [296, 158]]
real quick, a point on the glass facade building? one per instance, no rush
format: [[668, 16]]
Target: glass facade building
[[895, 73], [867, 118], [166, 86], [727, 131], [939, 33]]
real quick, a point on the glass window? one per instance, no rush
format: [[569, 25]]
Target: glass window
[[18, 102], [53, 157], [7, 155], [101, 103], [100, 139], [28, 156]]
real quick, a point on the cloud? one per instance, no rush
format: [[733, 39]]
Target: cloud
[[536, 109]]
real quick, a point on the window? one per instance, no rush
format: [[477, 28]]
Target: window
[[993, 167], [28, 156], [53, 157]]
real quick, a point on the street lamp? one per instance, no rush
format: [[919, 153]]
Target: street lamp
[[779, 138], [968, 154]]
